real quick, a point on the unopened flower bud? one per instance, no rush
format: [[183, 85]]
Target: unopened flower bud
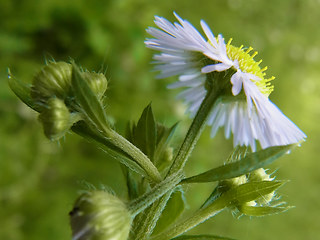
[[227, 184], [261, 175], [97, 82], [56, 119], [168, 154], [54, 80], [99, 215]]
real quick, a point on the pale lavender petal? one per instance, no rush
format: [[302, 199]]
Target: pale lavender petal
[[208, 33], [215, 67], [236, 81]]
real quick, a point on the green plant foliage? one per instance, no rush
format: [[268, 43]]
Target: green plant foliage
[[250, 162], [38, 176], [162, 153], [202, 237], [249, 191], [262, 211], [89, 101], [22, 90], [145, 133], [103, 143], [152, 138], [174, 208]]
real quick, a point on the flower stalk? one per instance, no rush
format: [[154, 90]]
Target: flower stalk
[[186, 147], [198, 217], [137, 155], [144, 201], [195, 130], [96, 115], [216, 84]]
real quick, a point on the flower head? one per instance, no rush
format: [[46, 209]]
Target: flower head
[[99, 215], [244, 108]]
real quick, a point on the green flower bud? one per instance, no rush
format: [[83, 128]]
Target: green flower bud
[[54, 80], [227, 184], [97, 82], [168, 154], [99, 215], [252, 208], [261, 175], [55, 118]]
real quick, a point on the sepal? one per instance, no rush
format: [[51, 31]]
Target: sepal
[[22, 90], [88, 100], [262, 211]]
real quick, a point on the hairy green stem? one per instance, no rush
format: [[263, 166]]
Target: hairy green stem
[[194, 131], [94, 113], [115, 145], [181, 158], [198, 217], [145, 228], [144, 201], [134, 152]]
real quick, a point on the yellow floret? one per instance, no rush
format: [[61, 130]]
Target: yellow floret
[[248, 65]]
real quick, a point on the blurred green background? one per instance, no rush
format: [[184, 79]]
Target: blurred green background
[[39, 179]]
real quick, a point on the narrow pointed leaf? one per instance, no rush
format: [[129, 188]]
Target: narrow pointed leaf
[[249, 191], [172, 211], [129, 131], [213, 196], [88, 100], [251, 162], [145, 135], [201, 237], [164, 136], [132, 185], [262, 211], [22, 91]]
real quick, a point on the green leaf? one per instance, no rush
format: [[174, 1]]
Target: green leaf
[[88, 100], [87, 133], [22, 90], [164, 136], [145, 134], [152, 138], [172, 211], [262, 211], [129, 131], [132, 185], [201, 237], [251, 162], [164, 133], [249, 191]]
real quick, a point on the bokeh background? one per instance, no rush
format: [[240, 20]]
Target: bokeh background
[[39, 179]]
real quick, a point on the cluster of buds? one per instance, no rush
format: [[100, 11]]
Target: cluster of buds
[[99, 215], [52, 92], [242, 208]]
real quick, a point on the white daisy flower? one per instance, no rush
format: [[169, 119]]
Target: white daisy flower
[[246, 111]]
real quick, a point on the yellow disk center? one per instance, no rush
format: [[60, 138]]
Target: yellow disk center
[[248, 65]]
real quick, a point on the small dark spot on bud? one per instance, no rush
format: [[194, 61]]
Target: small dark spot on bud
[[74, 211]]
